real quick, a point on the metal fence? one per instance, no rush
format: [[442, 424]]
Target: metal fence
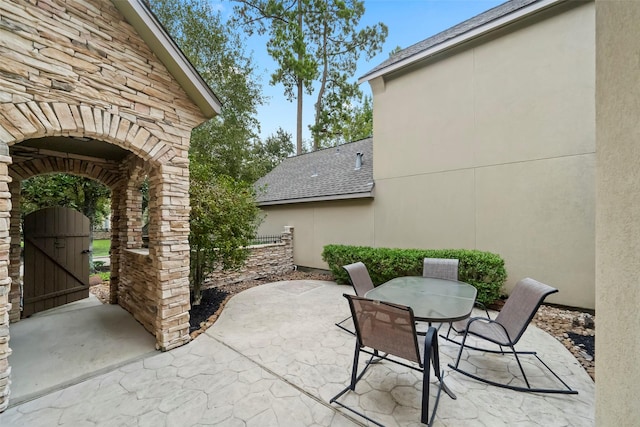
[[265, 239]]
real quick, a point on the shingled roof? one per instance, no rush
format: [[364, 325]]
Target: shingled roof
[[480, 24], [328, 174]]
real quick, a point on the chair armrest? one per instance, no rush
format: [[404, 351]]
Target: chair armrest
[[483, 307], [486, 320]]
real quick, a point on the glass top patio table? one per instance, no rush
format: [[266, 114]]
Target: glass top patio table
[[432, 300]]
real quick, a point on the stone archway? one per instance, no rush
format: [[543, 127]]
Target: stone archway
[[88, 72]]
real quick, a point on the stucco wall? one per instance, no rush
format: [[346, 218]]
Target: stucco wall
[[492, 146], [320, 224], [618, 212], [489, 146]]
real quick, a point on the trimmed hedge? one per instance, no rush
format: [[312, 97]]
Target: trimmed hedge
[[484, 270]]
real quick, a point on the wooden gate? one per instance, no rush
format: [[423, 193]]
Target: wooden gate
[[56, 259]]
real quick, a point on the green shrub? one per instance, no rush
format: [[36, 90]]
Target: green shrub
[[484, 270]]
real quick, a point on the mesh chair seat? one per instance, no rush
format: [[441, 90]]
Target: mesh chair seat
[[361, 282], [384, 330], [491, 331], [507, 329]]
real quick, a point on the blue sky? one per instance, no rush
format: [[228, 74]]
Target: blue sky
[[409, 21]]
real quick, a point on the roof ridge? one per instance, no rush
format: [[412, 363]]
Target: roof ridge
[[457, 30]]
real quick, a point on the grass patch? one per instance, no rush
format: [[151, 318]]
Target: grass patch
[[101, 247]]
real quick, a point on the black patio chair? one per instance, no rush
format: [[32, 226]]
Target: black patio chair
[[507, 329], [361, 282], [390, 328]]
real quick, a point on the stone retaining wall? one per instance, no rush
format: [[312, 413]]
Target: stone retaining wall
[[102, 235], [264, 260]]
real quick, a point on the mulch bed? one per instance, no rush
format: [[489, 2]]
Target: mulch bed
[[212, 299]]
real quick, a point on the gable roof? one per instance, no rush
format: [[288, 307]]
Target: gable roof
[[328, 174], [481, 24], [144, 21]]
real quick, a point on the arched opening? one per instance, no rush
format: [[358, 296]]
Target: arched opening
[[85, 333]]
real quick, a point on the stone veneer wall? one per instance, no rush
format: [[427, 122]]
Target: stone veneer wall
[[5, 279], [263, 260], [136, 287], [76, 68]]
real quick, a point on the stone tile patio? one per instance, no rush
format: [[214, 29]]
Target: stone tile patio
[[275, 358]]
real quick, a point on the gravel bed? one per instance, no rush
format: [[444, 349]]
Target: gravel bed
[[575, 329]]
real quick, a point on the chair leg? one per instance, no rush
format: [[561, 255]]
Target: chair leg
[[355, 377], [354, 371], [528, 388], [431, 358], [339, 325]]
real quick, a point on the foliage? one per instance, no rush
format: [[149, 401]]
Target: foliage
[[269, 154], [101, 247], [357, 125], [484, 270], [60, 189], [224, 220], [315, 40], [394, 51], [225, 143], [224, 151]]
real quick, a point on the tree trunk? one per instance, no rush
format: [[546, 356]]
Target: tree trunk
[[323, 85], [299, 119], [300, 92]]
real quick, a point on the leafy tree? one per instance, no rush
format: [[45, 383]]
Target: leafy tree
[[394, 51], [225, 142], [351, 124], [224, 216], [82, 194], [314, 40], [224, 220], [272, 151]]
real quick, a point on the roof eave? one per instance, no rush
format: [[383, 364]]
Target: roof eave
[[462, 38], [163, 46], [350, 196]]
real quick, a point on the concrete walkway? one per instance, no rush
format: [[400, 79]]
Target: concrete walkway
[[274, 358]]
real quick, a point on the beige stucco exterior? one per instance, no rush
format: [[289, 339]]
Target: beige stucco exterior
[[490, 146], [617, 212], [319, 224]]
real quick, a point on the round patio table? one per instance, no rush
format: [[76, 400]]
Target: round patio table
[[432, 300]]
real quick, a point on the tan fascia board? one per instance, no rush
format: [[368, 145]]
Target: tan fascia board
[[351, 196], [163, 46], [463, 38]]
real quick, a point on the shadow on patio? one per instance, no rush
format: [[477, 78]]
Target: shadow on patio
[[275, 357]]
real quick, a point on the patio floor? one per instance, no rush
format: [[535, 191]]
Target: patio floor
[[275, 358]]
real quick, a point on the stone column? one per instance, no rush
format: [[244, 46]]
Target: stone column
[[169, 248], [5, 280], [117, 236], [287, 239], [15, 252], [132, 218]]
